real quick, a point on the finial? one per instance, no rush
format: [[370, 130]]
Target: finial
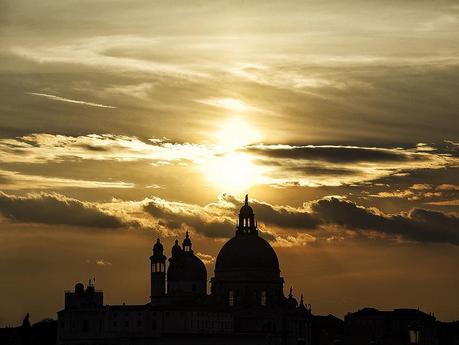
[[301, 300], [187, 235], [290, 294], [247, 199], [158, 240]]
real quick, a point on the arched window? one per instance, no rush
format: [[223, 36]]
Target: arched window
[[231, 298]]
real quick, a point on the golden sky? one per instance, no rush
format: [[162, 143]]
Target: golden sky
[[122, 121]]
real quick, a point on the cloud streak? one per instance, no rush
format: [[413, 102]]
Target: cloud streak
[[282, 165], [13, 180], [68, 100]]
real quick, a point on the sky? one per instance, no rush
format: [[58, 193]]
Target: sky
[[125, 121]]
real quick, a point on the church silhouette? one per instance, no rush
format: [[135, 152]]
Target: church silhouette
[[246, 304]]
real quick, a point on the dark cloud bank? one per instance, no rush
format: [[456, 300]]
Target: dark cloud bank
[[52, 208], [419, 225], [336, 154]]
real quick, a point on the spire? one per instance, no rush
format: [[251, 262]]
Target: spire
[[301, 300], [247, 200], [290, 294]]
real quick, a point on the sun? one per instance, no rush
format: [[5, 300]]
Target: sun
[[236, 133], [231, 169]]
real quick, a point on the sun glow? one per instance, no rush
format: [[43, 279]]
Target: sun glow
[[235, 134], [230, 169]]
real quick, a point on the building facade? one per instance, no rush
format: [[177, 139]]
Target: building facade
[[246, 304]]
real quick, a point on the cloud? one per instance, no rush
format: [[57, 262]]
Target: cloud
[[444, 203], [100, 52], [448, 187], [208, 221], [418, 224], [335, 165], [12, 180], [422, 191], [56, 209], [43, 148], [278, 165], [68, 100], [338, 154], [206, 258], [281, 216], [141, 90], [102, 262], [231, 104], [289, 226]]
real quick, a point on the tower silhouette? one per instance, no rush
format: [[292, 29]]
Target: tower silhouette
[[158, 271]]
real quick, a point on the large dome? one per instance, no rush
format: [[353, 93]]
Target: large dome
[[247, 253]]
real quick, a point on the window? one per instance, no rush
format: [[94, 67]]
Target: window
[[231, 298], [263, 298]]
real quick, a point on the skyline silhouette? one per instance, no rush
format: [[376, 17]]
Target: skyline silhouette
[[245, 304]]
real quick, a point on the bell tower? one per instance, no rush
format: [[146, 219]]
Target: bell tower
[[157, 271], [246, 224]]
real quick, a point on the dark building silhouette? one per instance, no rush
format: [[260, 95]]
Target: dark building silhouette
[[40, 333], [396, 327], [246, 304]]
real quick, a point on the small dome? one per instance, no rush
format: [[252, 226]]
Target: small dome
[[242, 253], [79, 288], [186, 267]]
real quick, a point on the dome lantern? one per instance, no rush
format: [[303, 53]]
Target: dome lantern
[[186, 245], [247, 224]]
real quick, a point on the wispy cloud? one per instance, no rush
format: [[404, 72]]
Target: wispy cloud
[[231, 104], [68, 100], [206, 258], [335, 165], [13, 180], [280, 165], [43, 148]]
